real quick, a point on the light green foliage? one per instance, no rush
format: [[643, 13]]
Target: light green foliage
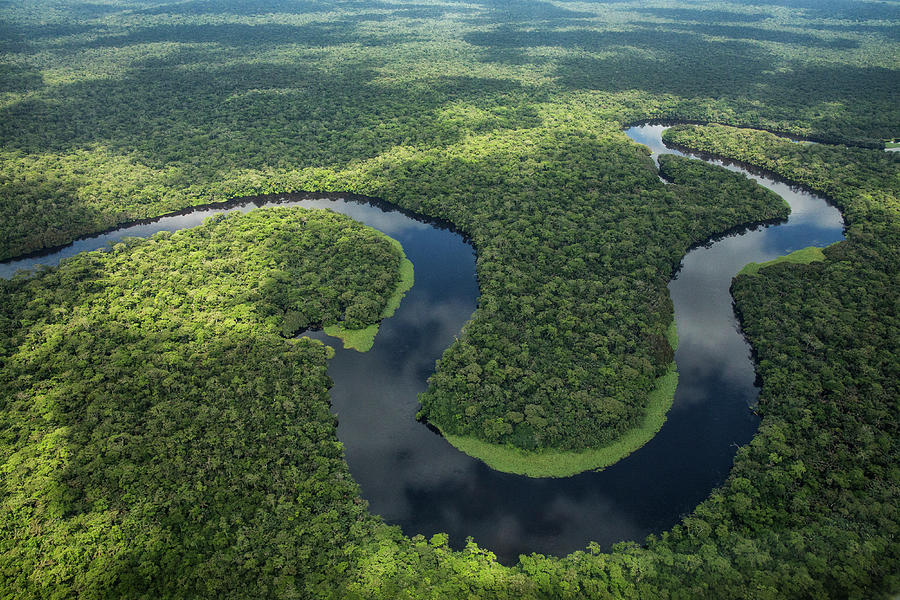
[[360, 340], [672, 335], [803, 256], [407, 279]]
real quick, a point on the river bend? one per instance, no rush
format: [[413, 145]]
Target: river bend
[[414, 478]]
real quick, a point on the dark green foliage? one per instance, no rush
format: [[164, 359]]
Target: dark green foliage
[[159, 434], [504, 122], [215, 88], [861, 188]]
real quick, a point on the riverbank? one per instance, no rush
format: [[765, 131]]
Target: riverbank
[[803, 256], [561, 463], [362, 340]]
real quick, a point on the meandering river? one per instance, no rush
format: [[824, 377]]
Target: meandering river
[[415, 479]]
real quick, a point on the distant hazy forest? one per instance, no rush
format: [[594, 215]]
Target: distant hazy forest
[[504, 118]]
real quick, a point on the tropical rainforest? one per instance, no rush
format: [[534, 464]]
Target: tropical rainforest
[[163, 433], [149, 393]]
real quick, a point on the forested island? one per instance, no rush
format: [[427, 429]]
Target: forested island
[[166, 435]]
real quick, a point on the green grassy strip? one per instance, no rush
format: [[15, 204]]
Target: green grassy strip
[[672, 335], [555, 463], [892, 144], [362, 340], [407, 279], [804, 256]]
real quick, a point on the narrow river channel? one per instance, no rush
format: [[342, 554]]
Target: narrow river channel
[[414, 479]]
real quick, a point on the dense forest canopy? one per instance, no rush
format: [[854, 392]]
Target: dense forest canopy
[[504, 118], [154, 399]]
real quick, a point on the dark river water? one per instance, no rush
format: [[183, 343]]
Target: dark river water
[[415, 479]]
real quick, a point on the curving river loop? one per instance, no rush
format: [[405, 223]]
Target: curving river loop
[[414, 478]]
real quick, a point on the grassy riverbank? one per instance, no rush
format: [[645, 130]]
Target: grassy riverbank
[[803, 256], [363, 339], [553, 463]]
